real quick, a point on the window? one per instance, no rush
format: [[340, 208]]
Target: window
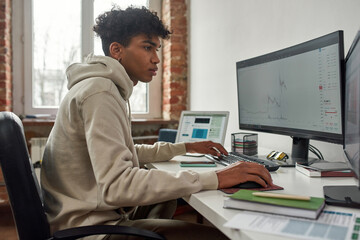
[[56, 34]]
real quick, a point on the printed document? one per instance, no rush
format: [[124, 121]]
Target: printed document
[[329, 225]]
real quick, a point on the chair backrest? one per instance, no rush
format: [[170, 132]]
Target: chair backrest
[[167, 135], [20, 179]]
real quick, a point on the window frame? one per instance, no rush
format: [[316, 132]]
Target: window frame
[[22, 59]]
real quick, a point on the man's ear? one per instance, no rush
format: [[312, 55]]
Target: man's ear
[[115, 50]]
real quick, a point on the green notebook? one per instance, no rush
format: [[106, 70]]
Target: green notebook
[[243, 199]]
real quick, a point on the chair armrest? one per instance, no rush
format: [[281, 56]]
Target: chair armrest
[[78, 232]]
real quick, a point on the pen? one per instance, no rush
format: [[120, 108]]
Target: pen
[[283, 196]]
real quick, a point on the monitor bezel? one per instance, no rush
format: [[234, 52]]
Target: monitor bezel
[[354, 44], [335, 37]]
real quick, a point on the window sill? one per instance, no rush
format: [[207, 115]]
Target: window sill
[[38, 122], [50, 122], [152, 121]]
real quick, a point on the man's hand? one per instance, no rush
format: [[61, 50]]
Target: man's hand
[[206, 147], [243, 172]]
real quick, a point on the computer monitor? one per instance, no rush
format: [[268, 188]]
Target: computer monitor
[[349, 196], [295, 91]]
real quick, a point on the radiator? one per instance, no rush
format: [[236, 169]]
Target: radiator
[[37, 149]]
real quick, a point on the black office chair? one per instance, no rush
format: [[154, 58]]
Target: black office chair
[[25, 195], [167, 135]]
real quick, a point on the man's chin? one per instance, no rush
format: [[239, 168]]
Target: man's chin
[[142, 80], [146, 80], [135, 82]]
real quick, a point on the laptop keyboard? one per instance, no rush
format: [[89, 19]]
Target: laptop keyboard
[[234, 157]]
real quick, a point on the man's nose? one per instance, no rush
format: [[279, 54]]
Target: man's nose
[[155, 59]]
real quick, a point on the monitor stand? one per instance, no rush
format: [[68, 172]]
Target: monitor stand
[[345, 196], [300, 152]]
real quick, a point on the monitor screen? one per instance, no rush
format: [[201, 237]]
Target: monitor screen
[[296, 92], [352, 106], [195, 126]]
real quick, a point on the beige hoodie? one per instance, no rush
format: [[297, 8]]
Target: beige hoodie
[[90, 171]]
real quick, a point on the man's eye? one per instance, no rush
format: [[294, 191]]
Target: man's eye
[[147, 48]]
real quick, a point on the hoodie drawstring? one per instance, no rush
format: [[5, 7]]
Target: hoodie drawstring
[[129, 109]]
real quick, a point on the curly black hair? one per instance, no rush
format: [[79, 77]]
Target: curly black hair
[[120, 26]]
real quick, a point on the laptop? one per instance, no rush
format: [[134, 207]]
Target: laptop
[[195, 126]]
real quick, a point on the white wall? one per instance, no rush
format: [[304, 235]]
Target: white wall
[[223, 32]]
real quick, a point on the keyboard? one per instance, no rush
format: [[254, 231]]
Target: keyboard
[[234, 157]]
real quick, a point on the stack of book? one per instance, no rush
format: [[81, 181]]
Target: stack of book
[[289, 205], [312, 171]]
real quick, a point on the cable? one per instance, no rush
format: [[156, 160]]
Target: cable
[[316, 151]]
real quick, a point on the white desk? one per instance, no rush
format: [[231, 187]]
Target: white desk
[[210, 203]]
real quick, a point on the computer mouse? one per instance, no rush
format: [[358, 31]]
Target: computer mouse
[[247, 185]]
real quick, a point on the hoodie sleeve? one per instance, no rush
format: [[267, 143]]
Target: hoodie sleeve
[[159, 152], [120, 181]]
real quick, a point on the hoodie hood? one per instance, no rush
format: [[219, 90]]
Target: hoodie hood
[[101, 66]]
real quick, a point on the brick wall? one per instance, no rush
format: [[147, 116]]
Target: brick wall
[[5, 56], [5, 59], [175, 59]]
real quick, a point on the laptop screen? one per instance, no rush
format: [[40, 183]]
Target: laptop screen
[[195, 126]]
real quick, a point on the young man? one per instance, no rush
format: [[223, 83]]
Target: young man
[[90, 171]]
